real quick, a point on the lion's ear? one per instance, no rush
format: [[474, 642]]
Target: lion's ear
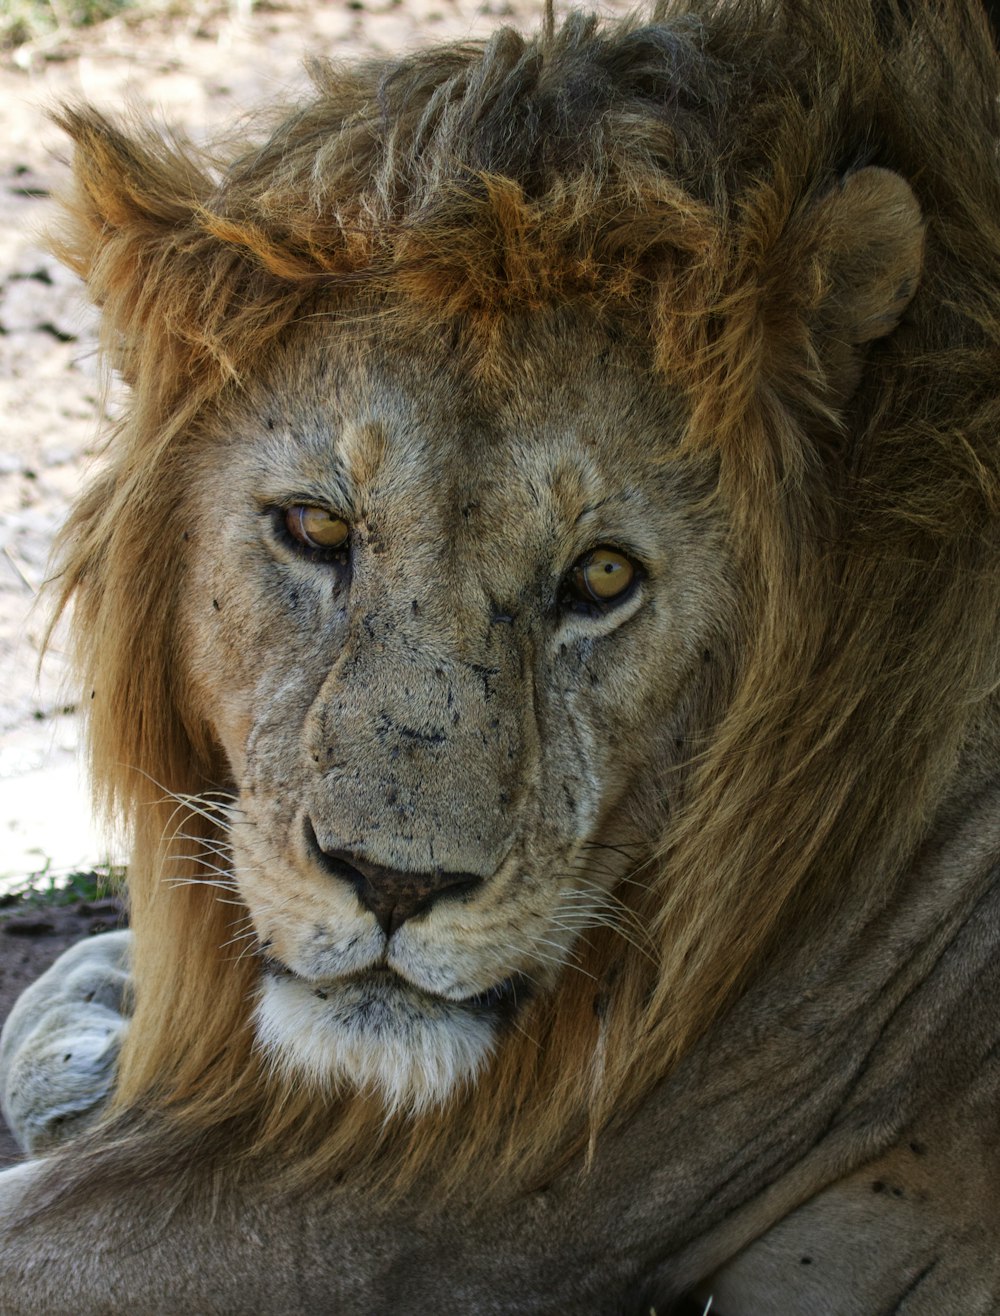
[[868, 237], [873, 246], [134, 202]]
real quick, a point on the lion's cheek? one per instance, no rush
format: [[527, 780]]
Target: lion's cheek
[[306, 922], [231, 724], [218, 685], [443, 964]]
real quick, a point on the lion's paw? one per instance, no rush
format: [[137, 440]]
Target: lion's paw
[[60, 1044]]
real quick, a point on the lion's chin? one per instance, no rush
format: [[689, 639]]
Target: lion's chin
[[374, 1034]]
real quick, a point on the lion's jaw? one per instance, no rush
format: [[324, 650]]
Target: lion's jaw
[[374, 1033], [438, 707]]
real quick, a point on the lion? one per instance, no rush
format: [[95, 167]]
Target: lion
[[538, 620]]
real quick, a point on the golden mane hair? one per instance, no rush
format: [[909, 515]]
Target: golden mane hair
[[667, 173]]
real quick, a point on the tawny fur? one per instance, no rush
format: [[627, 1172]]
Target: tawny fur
[[722, 187]]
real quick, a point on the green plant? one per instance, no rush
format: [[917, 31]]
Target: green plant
[[47, 888]]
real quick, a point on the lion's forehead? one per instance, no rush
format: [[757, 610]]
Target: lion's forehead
[[417, 449]]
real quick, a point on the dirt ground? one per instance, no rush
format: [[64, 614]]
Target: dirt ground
[[198, 65]]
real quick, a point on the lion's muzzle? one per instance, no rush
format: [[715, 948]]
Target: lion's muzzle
[[417, 761]]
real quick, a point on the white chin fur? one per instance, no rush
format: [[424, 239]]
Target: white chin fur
[[377, 1035]]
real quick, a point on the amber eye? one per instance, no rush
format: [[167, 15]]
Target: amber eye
[[602, 576], [315, 527]]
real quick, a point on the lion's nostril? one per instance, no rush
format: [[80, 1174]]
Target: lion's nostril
[[391, 894]]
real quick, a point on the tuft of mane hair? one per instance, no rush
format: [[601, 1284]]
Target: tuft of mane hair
[[668, 174]]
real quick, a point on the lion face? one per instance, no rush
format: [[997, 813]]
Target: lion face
[[442, 626]]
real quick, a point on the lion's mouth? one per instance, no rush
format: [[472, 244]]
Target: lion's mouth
[[503, 1000]]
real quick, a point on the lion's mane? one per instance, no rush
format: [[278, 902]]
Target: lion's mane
[[662, 172]]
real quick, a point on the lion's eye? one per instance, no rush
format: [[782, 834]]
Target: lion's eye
[[602, 576], [315, 527]]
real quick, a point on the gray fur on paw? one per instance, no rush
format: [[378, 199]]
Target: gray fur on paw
[[60, 1044]]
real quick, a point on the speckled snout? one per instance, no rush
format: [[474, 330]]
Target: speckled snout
[[418, 758]]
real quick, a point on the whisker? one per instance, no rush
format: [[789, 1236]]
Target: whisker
[[213, 868], [200, 857], [586, 925], [242, 936], [210, 842], [199, 881], [568, 956]]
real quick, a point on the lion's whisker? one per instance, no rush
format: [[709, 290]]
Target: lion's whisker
[[587, 925], [598, 898], [568, 956], [242, 936], [196, 857], [198, 881], [211, 842], [208, 867]]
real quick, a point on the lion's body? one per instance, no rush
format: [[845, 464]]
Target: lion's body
[[574, 879]]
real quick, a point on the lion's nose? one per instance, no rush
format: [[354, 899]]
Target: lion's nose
[[392, 895]]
